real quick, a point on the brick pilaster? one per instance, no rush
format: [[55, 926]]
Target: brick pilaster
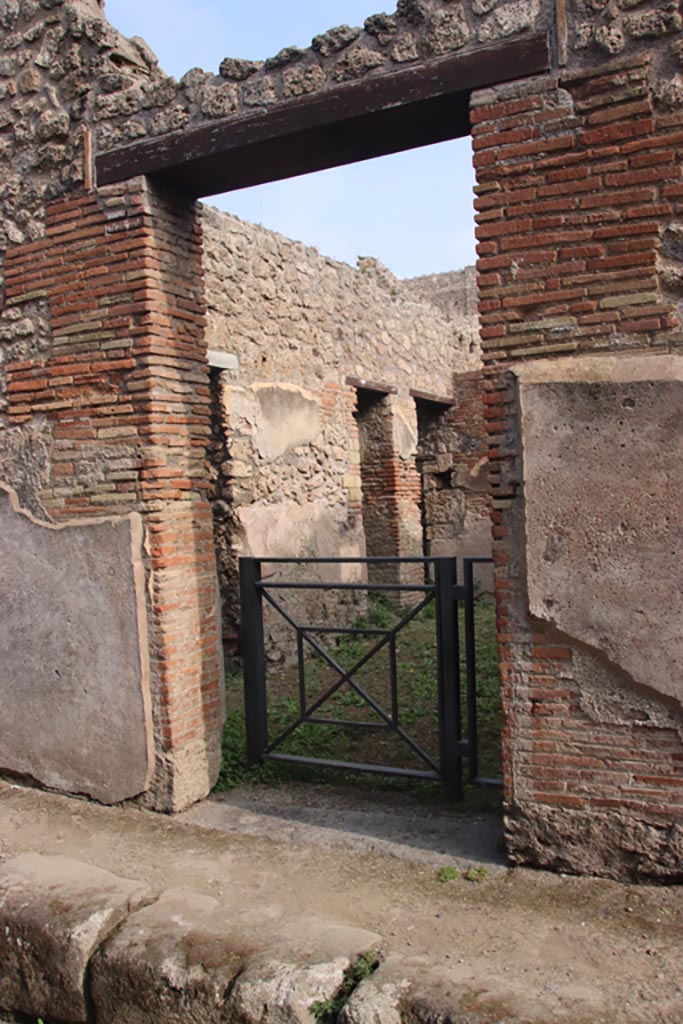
[[577, 183], [124, 386]]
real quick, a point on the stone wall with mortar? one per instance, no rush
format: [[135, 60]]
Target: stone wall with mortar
[[104, 393], [129, 109], [293, 477], [322, 320], [104, 397]]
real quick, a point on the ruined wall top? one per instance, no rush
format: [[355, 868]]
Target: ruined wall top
[[64, 68], [419, 30], [586, 33], [68, 77], [454, 291]]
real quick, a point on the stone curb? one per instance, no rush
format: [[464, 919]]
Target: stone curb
[[79, 944], [54, 914]]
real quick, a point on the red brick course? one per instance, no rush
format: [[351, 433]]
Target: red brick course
[[569, 246], [125, 387]]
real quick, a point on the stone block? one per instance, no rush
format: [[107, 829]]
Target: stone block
[[357, 63], [54, 914], [171, 962], [308, 968], [74, 679], [377, 1000], [187, 957], [299, 81], [222, 360], [448, 31], [236, 70], [273, 990], [603, 476], [334, 40]]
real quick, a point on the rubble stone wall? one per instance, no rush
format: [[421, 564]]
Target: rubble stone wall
[[123, 438], [129, 109], [292, 314], [293, 476], [455, 291]]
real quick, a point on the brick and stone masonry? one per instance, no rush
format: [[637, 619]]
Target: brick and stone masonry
[[126, 399], [453, 465], [578, 197], [306, 461], [104, 387], [579, 211]]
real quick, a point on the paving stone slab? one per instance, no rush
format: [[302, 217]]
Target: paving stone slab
[[54, 914]]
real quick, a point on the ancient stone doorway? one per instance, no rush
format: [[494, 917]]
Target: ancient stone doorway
[[361, 119]]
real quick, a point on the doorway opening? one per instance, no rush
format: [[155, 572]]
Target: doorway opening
[[335, 401], [350, 121]]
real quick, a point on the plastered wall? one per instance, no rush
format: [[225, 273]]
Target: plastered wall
[[76, 714]]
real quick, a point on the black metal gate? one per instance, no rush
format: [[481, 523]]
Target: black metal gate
[[450, 598]]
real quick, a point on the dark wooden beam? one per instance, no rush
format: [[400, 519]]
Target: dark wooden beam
[[389, 113], [440, 400]]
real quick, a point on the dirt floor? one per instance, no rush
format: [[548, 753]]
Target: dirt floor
[[526, 946]]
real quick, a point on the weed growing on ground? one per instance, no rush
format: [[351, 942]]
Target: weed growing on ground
[[473, 874], [476, 874], [326, 1011]]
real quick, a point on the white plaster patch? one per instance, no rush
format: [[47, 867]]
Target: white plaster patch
[[287, 417], [288, 529]]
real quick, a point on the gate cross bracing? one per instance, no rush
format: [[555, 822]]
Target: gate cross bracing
[[441, 587]]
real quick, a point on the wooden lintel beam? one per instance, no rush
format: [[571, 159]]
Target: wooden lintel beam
[[410, 107]]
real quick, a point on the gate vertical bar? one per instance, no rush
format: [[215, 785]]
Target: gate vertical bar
[[253, 659], [448, 661], [471, 674]]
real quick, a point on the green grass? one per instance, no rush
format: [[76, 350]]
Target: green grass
[[418, 707], [326, 1011]]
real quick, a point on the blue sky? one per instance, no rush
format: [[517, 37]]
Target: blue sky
[[413, 211]]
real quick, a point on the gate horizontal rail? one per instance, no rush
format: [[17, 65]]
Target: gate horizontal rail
[[447, 594]]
